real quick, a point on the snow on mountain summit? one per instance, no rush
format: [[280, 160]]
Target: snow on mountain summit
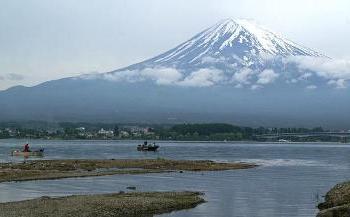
[[240, 41], [273, 43]]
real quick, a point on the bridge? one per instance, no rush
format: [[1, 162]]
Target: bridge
[[342, 136]]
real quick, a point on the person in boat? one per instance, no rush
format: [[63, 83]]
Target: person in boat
[[145, 143], [26, 148]]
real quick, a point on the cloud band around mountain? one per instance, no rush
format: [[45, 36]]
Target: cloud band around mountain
[[165, 76], [335, 73]]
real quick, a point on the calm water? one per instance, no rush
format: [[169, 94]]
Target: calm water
[[290, 181]]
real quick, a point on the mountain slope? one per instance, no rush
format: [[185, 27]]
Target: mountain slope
[[233, 72]]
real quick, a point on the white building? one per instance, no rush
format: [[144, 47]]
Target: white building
[[108, 133]]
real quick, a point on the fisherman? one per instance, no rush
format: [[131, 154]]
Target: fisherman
[[26, 148]]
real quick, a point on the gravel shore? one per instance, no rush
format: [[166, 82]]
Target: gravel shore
[[104, 205], [56, 169]]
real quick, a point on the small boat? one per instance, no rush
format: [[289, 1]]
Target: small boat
[[19, 153], [146, 147]]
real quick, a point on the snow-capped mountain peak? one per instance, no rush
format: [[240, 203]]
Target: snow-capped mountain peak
[[237, 52], [274, 43], [240, 41]]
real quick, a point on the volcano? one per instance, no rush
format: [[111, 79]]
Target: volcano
[[235, 71]]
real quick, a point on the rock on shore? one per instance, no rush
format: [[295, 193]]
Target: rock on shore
[[337, 202]]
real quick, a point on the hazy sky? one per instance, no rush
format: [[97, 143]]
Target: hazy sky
[[42, 40]]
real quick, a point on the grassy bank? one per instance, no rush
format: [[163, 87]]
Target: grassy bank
[[105, 205], [337, 202], [55, 169]]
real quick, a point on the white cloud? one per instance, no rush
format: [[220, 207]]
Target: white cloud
[[255, 87], [232, 66], [162, 76], [339, 84], [324, 67], [243, 76], [267, 76], [305, 76], [127, 75], [203, 78], [166, 76], [335, 71]]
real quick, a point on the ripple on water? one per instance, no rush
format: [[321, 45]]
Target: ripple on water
[[285, 184]]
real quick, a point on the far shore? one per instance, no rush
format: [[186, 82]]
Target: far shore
[[174, 141], [58, 169], [145, 204]]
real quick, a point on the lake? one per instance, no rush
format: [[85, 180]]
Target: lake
[[290, 180]]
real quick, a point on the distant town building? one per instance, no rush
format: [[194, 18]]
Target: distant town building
[[107, 133], [123, 133], [137, 134]]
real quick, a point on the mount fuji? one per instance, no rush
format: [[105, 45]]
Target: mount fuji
[[237, 42], [233, 52], [234, 71]]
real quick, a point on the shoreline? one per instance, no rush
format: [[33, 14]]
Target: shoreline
[[70, 168], [143, 204], [176, 141]]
